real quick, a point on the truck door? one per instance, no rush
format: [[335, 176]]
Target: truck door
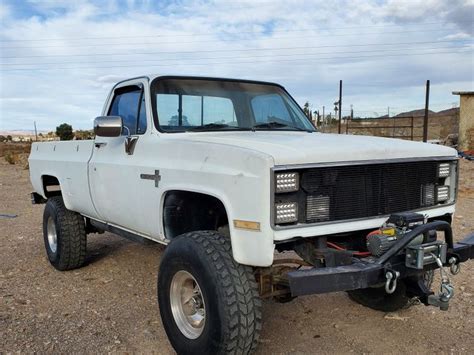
[[120, 184]]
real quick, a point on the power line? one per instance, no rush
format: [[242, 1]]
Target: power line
[[222, 32], [227, 62], [305, 55], [216, 40], [235, 50]]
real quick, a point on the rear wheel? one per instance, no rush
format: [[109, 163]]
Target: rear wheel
[[209, 303], [64, 235]]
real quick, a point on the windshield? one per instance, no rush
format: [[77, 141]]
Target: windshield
[[181, 105]]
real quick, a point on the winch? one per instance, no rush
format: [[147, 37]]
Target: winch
[[379, 241], [422, 250]]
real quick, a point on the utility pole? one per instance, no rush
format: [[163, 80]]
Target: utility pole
[[425, 120], [36, 132], [340, 105], [350, 119], [324, 117], [388, 111]]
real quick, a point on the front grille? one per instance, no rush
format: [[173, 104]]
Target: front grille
[[348, 192]]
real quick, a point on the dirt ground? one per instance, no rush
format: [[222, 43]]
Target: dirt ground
[[110, 304]]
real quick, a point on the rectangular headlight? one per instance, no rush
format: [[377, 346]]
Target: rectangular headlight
[[286, 182], [442, 193], [286, 212], [444, 170]]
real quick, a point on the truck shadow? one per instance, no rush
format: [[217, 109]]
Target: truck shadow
[[110, 246]]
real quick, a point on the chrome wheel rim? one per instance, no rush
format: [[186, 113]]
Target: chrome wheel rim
[[187, 304], [52, 235]]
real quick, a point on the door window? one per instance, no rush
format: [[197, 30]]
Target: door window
[[141, 126], [129, 103]]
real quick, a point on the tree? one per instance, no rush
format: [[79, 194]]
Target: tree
[[9, 138], [3, 138], [306, 109], [64, 132]]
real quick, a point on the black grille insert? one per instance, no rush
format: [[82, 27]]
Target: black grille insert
[[367, 190]]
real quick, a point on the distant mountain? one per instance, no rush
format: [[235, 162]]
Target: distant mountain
[[421, 112], [21, 132], [448, 112], [415, 113]]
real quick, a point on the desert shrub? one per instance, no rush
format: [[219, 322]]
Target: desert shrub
[[11, 158], [8, 147]]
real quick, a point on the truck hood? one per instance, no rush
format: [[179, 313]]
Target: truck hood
[[287, 148]]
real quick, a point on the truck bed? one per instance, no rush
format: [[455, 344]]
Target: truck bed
[[68, 162]]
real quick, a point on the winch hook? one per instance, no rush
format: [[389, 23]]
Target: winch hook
[[442, 299]]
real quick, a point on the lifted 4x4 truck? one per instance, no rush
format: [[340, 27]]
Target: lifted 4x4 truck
[[229, 172]]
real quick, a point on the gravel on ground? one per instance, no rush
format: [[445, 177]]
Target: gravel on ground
[[110, 305]]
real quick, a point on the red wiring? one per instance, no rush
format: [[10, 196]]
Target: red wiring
[[335, 246], [377, 231], [356, 253]]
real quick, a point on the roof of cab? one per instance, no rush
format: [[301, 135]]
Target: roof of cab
[[152, 77]]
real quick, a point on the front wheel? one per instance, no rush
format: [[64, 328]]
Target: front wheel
[[209, 303]]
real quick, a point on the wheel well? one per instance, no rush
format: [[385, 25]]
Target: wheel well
[[185, 211], [51, 186]]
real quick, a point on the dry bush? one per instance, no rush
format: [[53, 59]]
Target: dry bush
[[17, 159], [12, 158], [23, 160], [14, 147]]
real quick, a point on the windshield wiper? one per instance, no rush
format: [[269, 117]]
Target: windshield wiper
[[210, 126], [271, 124], [274, 124]]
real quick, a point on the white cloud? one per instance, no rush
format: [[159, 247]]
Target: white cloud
[[102, 43], [4, 11], [455, 36]]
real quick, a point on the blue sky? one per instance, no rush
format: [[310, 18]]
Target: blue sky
[[60, 58]]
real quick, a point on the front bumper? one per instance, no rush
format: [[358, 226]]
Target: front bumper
[[365, 273]]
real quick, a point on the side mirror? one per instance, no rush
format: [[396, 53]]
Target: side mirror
[[108, 126]]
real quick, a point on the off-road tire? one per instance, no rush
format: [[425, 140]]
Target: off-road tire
[[71, 243], [230, 293]]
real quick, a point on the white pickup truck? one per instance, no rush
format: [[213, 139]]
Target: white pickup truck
[[252, 202]]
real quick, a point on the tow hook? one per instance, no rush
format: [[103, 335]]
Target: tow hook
[[454, 266], [391, 283], [442, 299]]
